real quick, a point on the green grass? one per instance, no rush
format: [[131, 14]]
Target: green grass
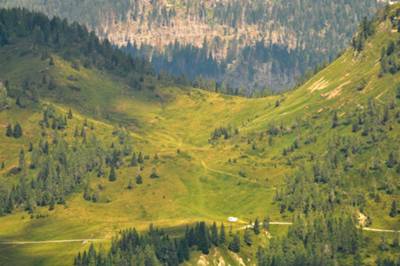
[[199, 183]]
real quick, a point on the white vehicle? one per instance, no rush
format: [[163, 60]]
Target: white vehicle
[[232, 219]]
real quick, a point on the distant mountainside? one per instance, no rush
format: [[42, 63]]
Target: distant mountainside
[[242, 44]]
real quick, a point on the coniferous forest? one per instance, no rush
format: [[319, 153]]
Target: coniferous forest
[[250, 48], [108, 159]]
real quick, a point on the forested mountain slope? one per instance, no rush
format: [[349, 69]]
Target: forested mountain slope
[[92, 144], [242, 44]]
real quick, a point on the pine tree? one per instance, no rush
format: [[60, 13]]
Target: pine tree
[[183, 250], [17, 133], [256, 227], [222, 236], [203, 242], [70, 115], [83, 132], [86, 194], [134, 160], [393, 210], [392, 160], [335, 120], [52, 204], [30, 149], [76, 132], [9, 131], [190, 236], [9, 205], [266, 223], [100, 171], [139, 179], [247, 237], [21, 161], [214, 235], [113, 176], [386, 117], [140, 158], [234, 245], [396, 241], [154, 173], [130, 184]]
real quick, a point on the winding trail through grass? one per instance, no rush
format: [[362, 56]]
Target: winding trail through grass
[[205, 166]]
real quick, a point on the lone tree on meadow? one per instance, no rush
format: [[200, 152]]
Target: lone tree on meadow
[[154, 174], [393, 210], [70, 115], [113, 176], [130, 185], [139, 180], [335, 120], [9, 131], [17, 131]]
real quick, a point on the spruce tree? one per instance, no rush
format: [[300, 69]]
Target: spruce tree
[[70, 115], [183, 250], [222, 235], [113, 176], [130, 185], [52, 204], [202, 237], [392, 160], [234, 245], [30, 149], [335, 120], [247, 237], [140, 158], [396, 241], [9, 131], [266, 223], [17, 133], [393, 210], [134, 160], [214, 234], [154, 174], [386, 117], [256, 227], [21, 161], [139, 179]]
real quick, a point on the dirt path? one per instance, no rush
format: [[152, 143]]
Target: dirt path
[[84, 241], [90, 240], [379, 230], [370, 229], [205, 166]]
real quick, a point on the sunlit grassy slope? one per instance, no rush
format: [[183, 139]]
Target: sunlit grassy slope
[[199, 180]]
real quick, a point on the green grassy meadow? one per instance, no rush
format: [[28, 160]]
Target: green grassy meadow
[[199, 179]]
